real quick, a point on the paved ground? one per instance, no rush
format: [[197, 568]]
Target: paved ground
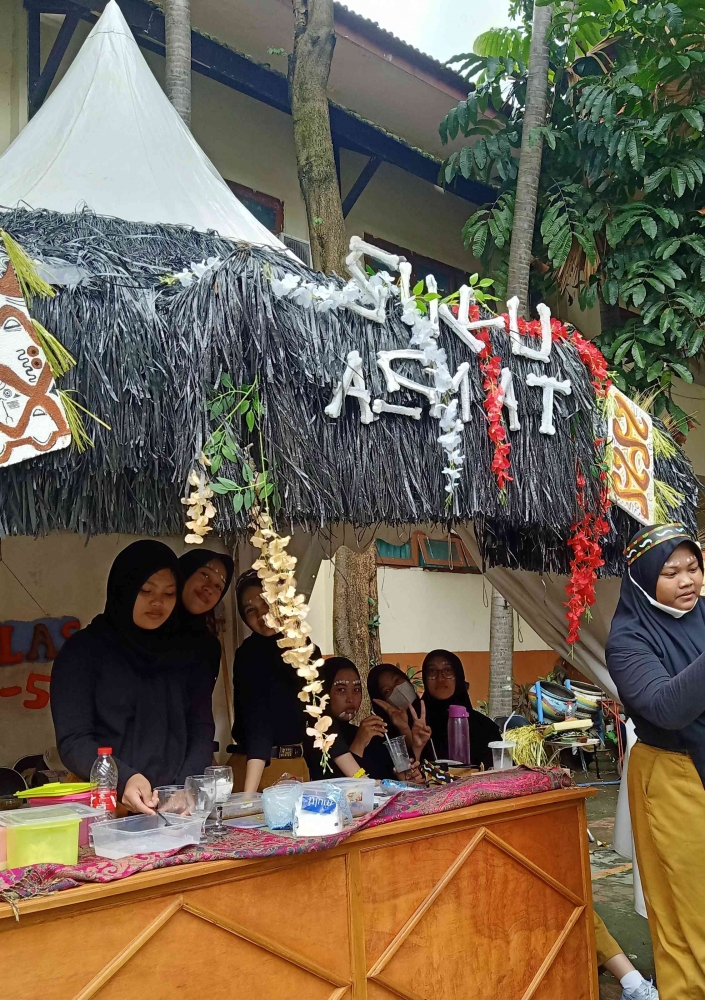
[[612, 886]]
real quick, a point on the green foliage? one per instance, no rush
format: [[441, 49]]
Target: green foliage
[[623, 174], [228, 408]]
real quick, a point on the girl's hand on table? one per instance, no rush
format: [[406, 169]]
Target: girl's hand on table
[[420, 732], [413, 775], [370, 727], [397, 717], [139, 796]]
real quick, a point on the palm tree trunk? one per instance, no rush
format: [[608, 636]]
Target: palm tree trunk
[[520, 251], [501, 654], [520, 255], [355, 584], [309, 69], [177, 28]]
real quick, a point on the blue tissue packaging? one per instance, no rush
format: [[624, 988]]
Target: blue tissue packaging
[[318, 814]]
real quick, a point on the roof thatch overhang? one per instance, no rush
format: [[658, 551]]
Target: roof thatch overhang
[[148, 354]]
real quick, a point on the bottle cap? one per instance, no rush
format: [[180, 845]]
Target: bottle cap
[[105, 750], [458, 712]]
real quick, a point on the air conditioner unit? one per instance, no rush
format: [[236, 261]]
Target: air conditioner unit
[[302, 248]]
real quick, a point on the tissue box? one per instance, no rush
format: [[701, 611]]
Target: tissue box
[[317, 815]]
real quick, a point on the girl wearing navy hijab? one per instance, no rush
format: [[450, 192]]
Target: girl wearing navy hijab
[[656, 656], [131, 681]]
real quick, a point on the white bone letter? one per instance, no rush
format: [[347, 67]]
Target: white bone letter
[[380, 406], [549, 386], [352, 384], [461, 329], [432, 286], [396, 382], [509, 399], [517, 346]]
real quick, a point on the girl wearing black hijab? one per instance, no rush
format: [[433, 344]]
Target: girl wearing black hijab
[[270, 721], [391, 691], [342, 683], [132, 682], [656, 656], [444, 685], [206, 578]]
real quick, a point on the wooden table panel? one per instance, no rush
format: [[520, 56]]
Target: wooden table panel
[[270, 906], [488, 902]]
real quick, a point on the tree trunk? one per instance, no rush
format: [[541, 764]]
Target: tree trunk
[[520, 255], [355, 582], [501, 654], [520, 251], [355, 611], [309, 69], [177, 28]]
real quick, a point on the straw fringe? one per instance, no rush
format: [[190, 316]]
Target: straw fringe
[[148, 352]]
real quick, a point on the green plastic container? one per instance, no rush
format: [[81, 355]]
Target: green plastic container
[[34, 837]]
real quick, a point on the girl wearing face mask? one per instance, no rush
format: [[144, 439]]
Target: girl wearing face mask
[[270, 721], [656, 656], [207, 576], [130, 681], [393, 694], [444, 685]]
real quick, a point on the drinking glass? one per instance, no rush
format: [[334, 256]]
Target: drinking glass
[[200, 793], [172, 799], [223, 787], [399, 754]]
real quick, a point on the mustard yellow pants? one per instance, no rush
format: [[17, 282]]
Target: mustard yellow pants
[[667, 805], [605, 944], [272, 773]]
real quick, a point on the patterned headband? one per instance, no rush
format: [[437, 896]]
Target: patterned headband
[[650, 537]]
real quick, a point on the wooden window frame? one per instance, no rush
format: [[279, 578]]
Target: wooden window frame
[[266, 200], [420, 264], [421, 557]]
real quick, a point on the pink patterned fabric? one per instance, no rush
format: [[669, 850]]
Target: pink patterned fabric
[[22, 883]]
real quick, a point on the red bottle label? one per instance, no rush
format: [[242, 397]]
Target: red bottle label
[[104, 798]]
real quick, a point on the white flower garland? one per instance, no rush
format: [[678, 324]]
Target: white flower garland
[[287, 615]]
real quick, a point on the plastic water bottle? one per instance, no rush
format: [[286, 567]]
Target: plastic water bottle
[[459, 734], [104, 774]]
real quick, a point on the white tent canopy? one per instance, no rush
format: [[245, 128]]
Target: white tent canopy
[[108, 139]]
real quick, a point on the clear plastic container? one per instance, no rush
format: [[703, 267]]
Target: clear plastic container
[[243, 804], [502, 754], [360, 792], [143, 834], [39, 836]]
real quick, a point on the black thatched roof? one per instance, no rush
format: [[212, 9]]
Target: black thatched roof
[[148, 352]]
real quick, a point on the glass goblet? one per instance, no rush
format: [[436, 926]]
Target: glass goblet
[[223, 787], [199, 790]]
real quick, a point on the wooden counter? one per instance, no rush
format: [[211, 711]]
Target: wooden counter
[[492, 902]]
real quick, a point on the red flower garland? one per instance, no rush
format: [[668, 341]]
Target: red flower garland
[[587, 533]]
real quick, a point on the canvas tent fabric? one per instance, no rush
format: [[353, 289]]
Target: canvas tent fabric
[[108, 139]]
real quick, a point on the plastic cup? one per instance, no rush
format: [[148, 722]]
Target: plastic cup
[[502, 754], [399, 754]]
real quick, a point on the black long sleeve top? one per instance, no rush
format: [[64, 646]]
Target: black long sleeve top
[[268, 712], [159, 724], [659, 704]]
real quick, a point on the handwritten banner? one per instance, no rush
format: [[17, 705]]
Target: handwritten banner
[[27, 650]]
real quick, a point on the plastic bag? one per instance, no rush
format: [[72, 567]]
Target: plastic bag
[[278, 802]]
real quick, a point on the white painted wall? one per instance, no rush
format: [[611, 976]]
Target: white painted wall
[[420, 610]]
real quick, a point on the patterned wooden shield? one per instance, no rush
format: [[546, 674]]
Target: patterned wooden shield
[[630, 432], [32, 418]]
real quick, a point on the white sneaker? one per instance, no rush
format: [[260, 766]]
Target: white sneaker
[[645, 991]]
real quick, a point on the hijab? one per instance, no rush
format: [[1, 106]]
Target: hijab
[[374, 691], [189, 563], [677, 639], [482, 729], [128, 574], [331, 668]]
